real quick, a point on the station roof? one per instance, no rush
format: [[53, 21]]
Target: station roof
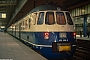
[[6, 7], [16, 9]]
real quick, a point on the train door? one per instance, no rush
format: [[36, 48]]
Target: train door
[[19, 30]]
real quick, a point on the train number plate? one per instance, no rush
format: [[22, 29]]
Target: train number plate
[[62, 35], [61, 47], [64, 48]]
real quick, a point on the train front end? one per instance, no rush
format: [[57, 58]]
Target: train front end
[[58, 45], [58, 37]]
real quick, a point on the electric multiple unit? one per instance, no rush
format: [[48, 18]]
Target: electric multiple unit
[[47, 29]]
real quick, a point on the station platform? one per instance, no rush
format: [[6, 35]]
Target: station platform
[[82, 38], [12, 49]]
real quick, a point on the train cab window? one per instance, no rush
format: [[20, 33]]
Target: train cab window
[[69, 19], [50, 18], [40, 18], [60, 18]]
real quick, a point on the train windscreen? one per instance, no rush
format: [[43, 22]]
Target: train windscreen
[[50, 20], [40, 18], [60, 18]]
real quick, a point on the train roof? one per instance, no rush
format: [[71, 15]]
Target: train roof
[[44, 7]]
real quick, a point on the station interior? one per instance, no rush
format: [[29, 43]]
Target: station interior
[[12, 11]]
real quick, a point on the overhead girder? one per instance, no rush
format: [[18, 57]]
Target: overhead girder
[[8, 4]]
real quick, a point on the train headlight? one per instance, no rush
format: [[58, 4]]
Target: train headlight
[[74, 34], [46, 35]]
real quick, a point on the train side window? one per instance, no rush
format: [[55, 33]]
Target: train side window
[[23, 25], [40, 18], [69, 19], [29, 23], [60, 18], [33, 17], [20, 24], [17, 26], [49, 18]]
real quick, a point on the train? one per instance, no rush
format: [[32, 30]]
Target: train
[[47, 29]]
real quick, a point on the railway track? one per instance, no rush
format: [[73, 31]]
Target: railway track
[[82, 54], [82, 51]]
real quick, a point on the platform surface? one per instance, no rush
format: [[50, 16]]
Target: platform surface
[[83, 38], [12, 49]]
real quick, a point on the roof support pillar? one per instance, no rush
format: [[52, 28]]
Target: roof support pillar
[[85, 26]]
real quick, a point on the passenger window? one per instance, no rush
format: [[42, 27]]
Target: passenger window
[[29, 23], [49, 18], [60, 18], [23, 25], [69, 20], [40, 18], [33, 17], [26, 24]]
